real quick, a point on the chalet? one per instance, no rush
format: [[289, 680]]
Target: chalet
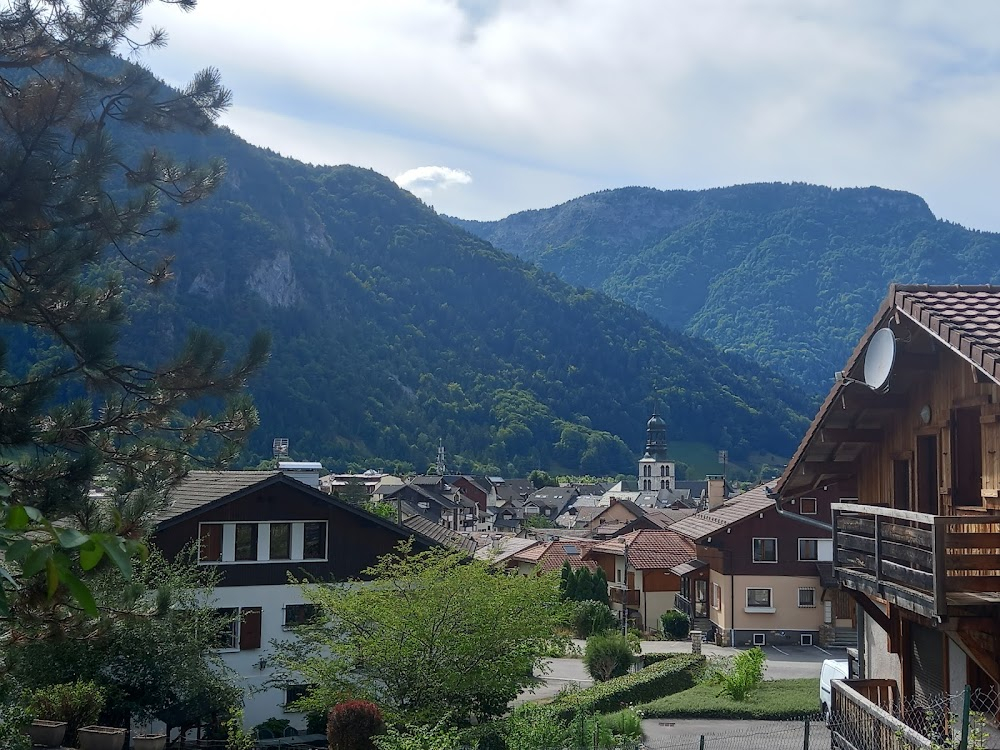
[[914, 420], [756, 575], [638, 568], [478, 489], [548, 557], [255, 528]]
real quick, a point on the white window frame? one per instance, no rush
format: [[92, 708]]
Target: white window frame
[[799, 597], [235, 625], [759, 639], [296, 542], [753, 549], [750, 608], [808, 539], [805, 639], [805, 512], [716, 596], [285, 625]]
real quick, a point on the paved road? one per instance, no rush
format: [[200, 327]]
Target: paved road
[[685, 734]]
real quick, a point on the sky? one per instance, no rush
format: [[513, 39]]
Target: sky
[[488, 107]]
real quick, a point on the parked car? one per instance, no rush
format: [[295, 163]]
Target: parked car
[[833, 669]]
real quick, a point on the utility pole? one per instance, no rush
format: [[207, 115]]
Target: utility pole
[[625, 595]]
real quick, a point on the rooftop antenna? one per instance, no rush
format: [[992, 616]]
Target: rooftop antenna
[[279, 447], [440, 467]]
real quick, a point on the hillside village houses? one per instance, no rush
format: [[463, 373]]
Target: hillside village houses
[[913, 422]]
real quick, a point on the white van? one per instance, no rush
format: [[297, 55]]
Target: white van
[[833, 669]]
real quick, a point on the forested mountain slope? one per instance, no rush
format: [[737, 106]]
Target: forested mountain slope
[[393, 329], [786, 274]]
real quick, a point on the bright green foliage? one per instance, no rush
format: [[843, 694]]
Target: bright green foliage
[[773, 699], [78, 703], [590, 617], [675, 624], [534, 727], [420, 737], [625, 723], [663, 678], [433, 634], [607, 655], [744, 674], [583, 584]]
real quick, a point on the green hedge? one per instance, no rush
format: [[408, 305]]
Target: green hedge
[[773, 699], [679, 672]]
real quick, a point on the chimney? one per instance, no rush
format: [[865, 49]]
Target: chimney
[[716, 491], [306, 472]]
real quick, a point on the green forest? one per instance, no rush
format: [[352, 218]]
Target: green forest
[[786, 274], [393, 329]]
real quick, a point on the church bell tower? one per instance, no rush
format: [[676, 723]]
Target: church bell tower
[[656, 471]]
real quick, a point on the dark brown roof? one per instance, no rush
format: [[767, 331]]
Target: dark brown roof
[[965, 319], [199, 488], [734, 510], [650, 549]]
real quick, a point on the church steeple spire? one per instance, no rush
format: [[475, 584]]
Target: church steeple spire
[[656, 471]]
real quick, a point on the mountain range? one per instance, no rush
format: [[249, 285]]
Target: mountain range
[[788, 275], [393, 330]]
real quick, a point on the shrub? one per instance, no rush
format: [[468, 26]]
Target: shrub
[[626, 723], [592, 617], [607, 656], [534, 727], [745, 674], [276, 727], [634, 642], [79, 704], [669, 676], [675, 624], [412, 737], [352, 725]]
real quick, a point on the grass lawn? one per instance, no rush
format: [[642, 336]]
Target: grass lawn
[[774, 699]]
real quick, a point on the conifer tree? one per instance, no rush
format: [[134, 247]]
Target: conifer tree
[[84, 195]]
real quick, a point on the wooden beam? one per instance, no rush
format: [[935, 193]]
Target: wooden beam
[[986, 659], [844, 468], [871, 609], [971, 625], [851, 435], [866, 398]]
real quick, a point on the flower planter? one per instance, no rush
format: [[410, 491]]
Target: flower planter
[[101, 738], [47, 733], [149, 741]]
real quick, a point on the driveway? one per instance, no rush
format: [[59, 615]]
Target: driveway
[[561, 672], [685, 734]]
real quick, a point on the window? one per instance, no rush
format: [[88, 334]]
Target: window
[[663, 484], [647, 470], [281, 541], [765, 550], [966, 457], [805, 639], [807, 597], [314, 541], [298, 614], [229, 629], [807, 506], [808, 550], [246, 541], [240, 629], [663, 471], [758, 639], [759, 599], [210, 547], [294, 693], [716, 596]]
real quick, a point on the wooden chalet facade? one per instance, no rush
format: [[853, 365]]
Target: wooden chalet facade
[[919, 550], [255, 528], [758, 576]]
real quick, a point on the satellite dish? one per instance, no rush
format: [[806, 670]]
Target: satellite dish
[[879, 359]]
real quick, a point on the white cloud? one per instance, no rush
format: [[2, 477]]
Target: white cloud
[[575, 95], [424, 181]]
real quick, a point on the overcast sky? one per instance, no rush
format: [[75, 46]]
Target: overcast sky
[[487, 107]]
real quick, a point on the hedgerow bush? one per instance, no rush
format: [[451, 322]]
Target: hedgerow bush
[[590, 618], [675, 624], [352, 725], [664, 678], [607, 656]]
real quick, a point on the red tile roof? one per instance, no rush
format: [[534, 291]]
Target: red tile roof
[[550, 556], [650, 549]]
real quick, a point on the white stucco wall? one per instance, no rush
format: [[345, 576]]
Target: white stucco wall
[[879, 662]]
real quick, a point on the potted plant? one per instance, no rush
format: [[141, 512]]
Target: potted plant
[[47, 733], [149, 741], [97, 737]]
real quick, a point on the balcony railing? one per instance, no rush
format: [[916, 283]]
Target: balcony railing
[[691, 609], [921, 562], [862, 717], [629, 596]]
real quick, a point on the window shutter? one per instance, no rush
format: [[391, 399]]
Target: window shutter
[[210, 549], [250, 628]]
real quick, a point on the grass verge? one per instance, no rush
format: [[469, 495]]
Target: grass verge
[[774, 699]]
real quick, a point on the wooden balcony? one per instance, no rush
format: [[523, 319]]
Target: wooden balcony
[[863, 717], [629, 596], [921, 562]]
